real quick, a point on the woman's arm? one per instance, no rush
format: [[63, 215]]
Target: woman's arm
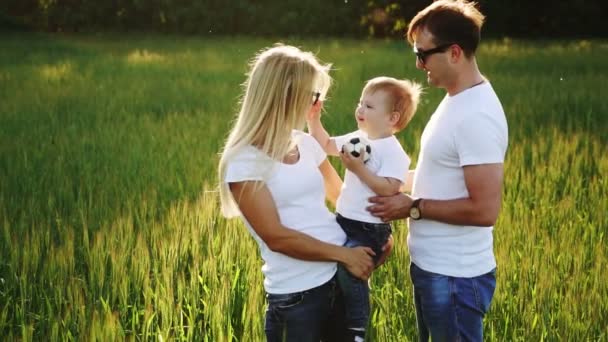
[[333, 183], [258, 207]]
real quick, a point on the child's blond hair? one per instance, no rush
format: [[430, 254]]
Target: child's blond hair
[[403, 96]]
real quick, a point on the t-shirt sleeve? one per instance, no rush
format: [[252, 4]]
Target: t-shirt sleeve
[[340, 141], [343, 139], [312, 146], [480, 139], [246, 165], [395, 162]]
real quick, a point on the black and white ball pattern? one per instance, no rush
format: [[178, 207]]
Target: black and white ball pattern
[[354, 146]]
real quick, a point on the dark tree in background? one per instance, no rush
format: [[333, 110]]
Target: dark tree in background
[[354, 18]]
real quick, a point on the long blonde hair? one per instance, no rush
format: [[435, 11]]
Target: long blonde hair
[[278, 94]]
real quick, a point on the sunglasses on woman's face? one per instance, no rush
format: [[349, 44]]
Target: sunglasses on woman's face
[[423, 54], [316, 97]]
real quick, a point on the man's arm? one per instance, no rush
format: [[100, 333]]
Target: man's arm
[[258, 207], [481, 208]]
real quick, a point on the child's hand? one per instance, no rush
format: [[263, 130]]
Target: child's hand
[[315, 112], [352, 163]]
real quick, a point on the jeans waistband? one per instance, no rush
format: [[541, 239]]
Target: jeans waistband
[[367, 224], [332, 283]]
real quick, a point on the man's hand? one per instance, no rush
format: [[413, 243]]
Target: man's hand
[[387, 249], [391, 207]]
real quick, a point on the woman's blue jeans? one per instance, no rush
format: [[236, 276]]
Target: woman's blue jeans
[[451, 308], [300, 316]]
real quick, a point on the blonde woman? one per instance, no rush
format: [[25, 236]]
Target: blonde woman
[[275, 177]]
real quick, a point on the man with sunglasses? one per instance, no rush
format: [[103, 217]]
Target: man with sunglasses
[[456, 195]]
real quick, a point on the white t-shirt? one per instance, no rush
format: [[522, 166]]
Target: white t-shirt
[[469, 128], [387, 159], [299, 195]]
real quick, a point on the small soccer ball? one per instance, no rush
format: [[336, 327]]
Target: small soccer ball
[[354, 146]]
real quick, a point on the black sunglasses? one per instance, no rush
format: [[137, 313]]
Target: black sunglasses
[[316, 96], [423, 54]]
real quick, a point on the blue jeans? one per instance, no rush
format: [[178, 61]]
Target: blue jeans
[[451, 308], [300, 316], [354, 290]]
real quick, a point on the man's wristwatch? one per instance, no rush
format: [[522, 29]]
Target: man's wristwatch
[[415, 212]]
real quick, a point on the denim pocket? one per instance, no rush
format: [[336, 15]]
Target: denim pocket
[[484, 287], [284, 301]]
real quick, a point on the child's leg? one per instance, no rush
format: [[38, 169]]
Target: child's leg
[[354, 291], [356, 301]]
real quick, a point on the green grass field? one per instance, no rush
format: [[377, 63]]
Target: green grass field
[[110, 223]]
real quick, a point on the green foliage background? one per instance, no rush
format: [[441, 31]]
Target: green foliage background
[[109, 221], [352, 18]]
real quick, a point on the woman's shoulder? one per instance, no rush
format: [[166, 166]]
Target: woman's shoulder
[[298, 134], [247, 152], [303, 138], [247, 163], [247, 155]]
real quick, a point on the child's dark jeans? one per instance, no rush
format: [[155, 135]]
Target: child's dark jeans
[[354, 290]]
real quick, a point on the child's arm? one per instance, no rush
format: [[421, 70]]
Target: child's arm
[[382, 186], [331, 180], [316, 129], [409, 181]]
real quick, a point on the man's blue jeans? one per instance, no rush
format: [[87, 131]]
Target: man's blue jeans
[[451, 308], [300, 316]]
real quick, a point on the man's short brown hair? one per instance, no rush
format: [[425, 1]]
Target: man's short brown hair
[[403, 96], [450, 21]]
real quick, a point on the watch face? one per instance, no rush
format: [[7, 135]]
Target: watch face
[[415, 213]]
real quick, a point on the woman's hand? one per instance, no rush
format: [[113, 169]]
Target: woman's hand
[[358, 261], [386, 251]]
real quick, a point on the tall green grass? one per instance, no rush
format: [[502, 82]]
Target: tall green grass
[[110, 223]]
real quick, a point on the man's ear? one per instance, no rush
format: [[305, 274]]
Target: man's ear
[[456, 53]]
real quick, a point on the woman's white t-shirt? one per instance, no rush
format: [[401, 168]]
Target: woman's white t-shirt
[[299, 195]]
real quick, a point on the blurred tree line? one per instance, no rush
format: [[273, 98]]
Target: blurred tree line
[[355, 18]]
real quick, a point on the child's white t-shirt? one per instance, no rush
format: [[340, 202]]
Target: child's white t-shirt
[[387, 159], [469, 128], [299, 195]]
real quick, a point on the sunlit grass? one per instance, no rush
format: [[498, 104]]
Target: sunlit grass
[[110, 225]]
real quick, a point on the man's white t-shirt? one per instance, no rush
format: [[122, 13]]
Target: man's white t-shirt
[[387, 159], [468, 128], [299, 195]]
